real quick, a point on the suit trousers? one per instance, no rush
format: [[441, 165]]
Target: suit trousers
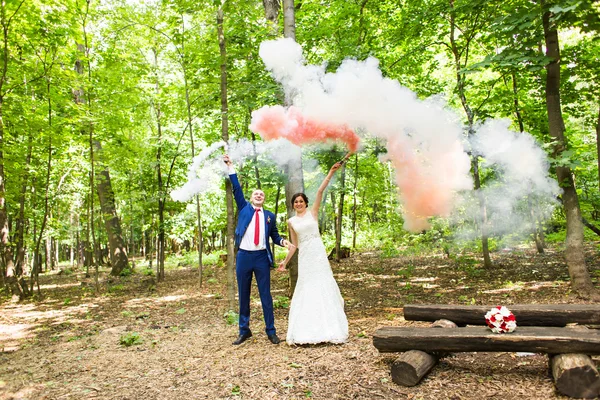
[[257, 262]]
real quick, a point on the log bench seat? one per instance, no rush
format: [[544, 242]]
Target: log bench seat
[[550, 340], [540, 329], [526, 314]]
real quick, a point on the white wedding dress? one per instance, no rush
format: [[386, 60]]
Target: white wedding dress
[[317, 308]]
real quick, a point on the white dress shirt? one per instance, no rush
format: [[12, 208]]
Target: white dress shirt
[[248, 238]]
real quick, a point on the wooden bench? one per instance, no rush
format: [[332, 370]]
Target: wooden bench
[[526, 314], [574, 372]]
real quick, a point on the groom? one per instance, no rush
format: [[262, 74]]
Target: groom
[[255, 226]]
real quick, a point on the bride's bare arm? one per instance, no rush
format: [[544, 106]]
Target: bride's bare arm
[[291, 248], [319, 197]]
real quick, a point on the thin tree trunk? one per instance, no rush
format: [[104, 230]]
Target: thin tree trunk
[[295, 183], [460, 86], [35, 270], [228, 188], [20, 229], [580, 277], [160, 246], [538, 232], [340, 214], [354, 196], [254, 157], [188, 104], [6, 256], [118, 253], [276, 213], [334, 219], [598, 144]]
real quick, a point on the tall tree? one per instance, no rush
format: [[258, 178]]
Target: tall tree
[[580, 277], [6, 18], [293, 170], [225, 136]]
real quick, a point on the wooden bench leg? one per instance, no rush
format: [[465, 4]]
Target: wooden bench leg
[[411, 366], [575, 375]]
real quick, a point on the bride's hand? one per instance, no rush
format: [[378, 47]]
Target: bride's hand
[[281, 267], [336, 166]]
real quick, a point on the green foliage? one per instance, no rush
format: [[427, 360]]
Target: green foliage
[[133, 69], [468, 264], [389, 250], [231, 317], [556, 237], [114, 289], [130, 339], [406, 272], [281, 302]]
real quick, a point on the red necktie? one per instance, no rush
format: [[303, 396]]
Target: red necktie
[[256, 227]]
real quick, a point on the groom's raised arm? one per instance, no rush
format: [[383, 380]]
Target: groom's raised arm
[[238, 194]]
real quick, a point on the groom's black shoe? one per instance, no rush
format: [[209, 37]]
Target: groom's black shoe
[[274, 339], [242, 338]]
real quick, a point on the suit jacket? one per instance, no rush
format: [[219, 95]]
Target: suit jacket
[[245, 214]]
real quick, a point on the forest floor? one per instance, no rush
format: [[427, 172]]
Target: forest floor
[[72, 344]]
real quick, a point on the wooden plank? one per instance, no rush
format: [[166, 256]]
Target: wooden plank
[[526, 314], [525, 339]]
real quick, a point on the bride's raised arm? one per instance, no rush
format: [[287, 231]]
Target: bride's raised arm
[[317, 203]]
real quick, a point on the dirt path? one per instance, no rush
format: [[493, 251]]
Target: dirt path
[[68, 345]]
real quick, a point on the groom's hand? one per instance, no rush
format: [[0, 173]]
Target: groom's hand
[[226, 159]]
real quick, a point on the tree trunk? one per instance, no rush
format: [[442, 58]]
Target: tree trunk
[[231, 289], [354, 205], [537, 229], [272, 13], [6, 256], [160, 241], [293, 171], [188, 104], [598, 144], [118, 252], [580, 277], [460, 87], [36, 265], [276, 213], [338, 225], [20, 234], [295, 183]]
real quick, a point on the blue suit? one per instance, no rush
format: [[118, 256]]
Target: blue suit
[[257, 262]]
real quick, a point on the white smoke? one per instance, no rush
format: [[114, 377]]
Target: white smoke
[[424, 138], [207, 170]]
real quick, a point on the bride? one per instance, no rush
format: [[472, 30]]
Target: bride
[[317, 308]]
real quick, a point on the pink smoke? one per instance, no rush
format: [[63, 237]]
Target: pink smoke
[[277, 122], [426, 187]]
